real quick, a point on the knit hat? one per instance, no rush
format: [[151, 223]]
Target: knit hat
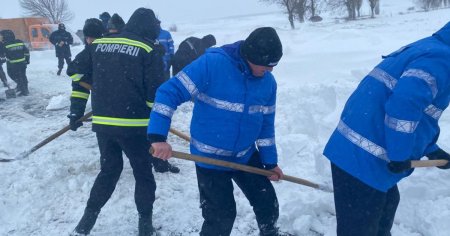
[[115, 22], [61, 26], [209, 40], [262, 47], [93, 27], [104, 16]]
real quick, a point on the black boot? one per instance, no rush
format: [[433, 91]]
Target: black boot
[[59, 71], [146, 226], [86, 223], [164, 166]]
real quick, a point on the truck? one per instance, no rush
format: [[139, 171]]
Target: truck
[[33, 31]]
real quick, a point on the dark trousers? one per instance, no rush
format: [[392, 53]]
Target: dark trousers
[[136, 148], [218, 204], [61, 61], [19, 75], [2, 75], [360, 209]]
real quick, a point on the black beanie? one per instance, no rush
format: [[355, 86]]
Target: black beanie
[[262, 47], [93, 27], [115, 22], [209, 40], [61, 26]]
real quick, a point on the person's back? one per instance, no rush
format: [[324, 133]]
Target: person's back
[[18, 57], [117, 61], [126, 71], [189, 50], [388, 121]]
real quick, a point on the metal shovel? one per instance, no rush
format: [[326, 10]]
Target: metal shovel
[[10, 93]]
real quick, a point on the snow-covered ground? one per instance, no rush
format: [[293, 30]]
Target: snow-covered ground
[[322, 64]]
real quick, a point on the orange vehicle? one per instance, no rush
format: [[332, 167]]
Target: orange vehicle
[[33, 31]]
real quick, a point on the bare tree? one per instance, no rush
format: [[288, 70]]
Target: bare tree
[[300, 9], [57, 11], [377, 7], [350, 5], [289, 5], [429, 4], [373, 6]]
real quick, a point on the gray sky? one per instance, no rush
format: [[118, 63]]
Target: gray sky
[[169, 11]]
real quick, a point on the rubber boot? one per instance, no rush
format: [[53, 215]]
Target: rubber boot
[[146, 226], [87, 222]]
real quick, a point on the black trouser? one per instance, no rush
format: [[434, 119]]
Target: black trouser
[[218, 204], [136, 149], [61, 61], [2, 75], [360, 209], [18, 73]]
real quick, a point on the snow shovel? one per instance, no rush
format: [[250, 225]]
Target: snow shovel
[[52, 137], [10, 93], [250, 169]]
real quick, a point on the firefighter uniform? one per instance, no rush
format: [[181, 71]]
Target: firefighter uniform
[[125, 71], [17, 59]]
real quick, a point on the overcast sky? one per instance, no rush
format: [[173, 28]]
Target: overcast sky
[[169, 11]]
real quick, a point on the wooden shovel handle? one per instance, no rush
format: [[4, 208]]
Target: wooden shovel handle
[[250, 169], [428, 163]]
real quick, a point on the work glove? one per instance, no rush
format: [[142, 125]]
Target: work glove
[[74, 123], [398, 167], [440, 154]]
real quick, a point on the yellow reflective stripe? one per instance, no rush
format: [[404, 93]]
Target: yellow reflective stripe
[[18, 60], [124, 41], [14, 45], [149, 104], [76, 77], [76, 94], [102, 120]]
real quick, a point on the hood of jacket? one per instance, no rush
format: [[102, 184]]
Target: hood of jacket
[[444, 34], [8, 36], [143, 22]]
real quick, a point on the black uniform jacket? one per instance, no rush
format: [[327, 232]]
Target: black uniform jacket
[[124, 71]]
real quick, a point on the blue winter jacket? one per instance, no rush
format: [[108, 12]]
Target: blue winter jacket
[[165, 39], [233, 110], [393, 114]]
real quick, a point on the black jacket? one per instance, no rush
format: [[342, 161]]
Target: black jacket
[[80, 94], [16, 52], [2, 53], [189, 50], [61, 36], [126, 71]]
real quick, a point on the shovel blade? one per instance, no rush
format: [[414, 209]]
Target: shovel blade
[[10, 93]]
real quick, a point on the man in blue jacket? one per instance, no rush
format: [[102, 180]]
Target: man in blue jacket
[[234, 124], [389, 120], [165, 39]]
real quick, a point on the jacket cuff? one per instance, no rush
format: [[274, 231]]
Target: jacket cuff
[[270, 166], [156, 138]]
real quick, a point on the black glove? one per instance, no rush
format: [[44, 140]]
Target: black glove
[[440, 154], [398, 167], [74, 123]]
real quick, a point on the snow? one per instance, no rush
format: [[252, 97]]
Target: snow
[[46, 193]]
